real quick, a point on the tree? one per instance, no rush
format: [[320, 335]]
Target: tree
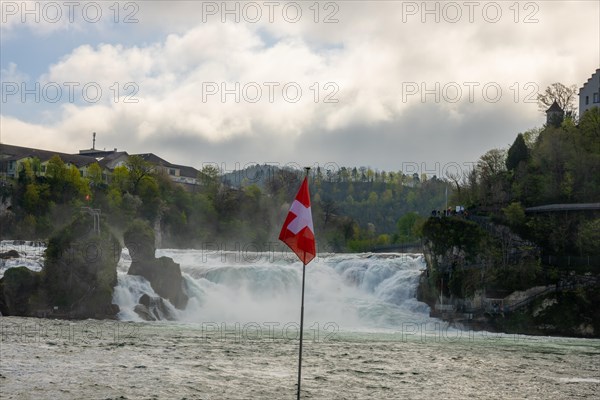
[[517, 153], [138, 170], [491, 163], [56, 168], [491, 169], [95, 174], [120, 179], [26, 172], [31, 198], [406, 226], [209, 181], [589, 125], [563, 95], [515, 214], [329, 208], [588, 237], [531, 137]]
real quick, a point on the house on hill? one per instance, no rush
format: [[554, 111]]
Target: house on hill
[[182, 174], [12, 157]]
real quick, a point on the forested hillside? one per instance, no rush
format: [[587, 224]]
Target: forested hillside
[[353, 208]]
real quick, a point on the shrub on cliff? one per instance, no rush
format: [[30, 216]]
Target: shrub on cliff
[[446, 233]]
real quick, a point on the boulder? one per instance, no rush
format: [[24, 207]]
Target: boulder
[[9, 254], [163, 273], [143, 312], [153, 309], [18, 286]]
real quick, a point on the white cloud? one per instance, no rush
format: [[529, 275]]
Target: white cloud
[[371, 55]]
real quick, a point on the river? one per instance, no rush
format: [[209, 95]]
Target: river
[[365, 337]]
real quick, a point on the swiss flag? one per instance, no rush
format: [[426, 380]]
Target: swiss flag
[[297, 231]]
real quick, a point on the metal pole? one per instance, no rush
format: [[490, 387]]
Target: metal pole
[[307, 169], [301, 331]]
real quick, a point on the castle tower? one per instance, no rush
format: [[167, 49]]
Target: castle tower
[[555, 115]]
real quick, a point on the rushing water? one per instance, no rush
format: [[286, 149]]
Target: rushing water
[[349, 291], [366, 337]]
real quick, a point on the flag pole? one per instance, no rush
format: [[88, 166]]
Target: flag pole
[[301, 317], [301, 331]]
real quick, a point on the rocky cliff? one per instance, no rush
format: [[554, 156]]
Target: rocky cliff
[[77, 280], [482, 275], [163, 273]]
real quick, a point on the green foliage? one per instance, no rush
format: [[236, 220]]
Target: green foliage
[[447, 232], [31, 199], [553, 165], [209, 180], [27, 171], [517, 153], [353, 208], [56, 169], [515, 214], [588, 237], [120, 179], [95, 174], [409, 226], [515, 277], [140, 171]]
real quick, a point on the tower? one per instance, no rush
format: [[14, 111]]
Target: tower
[[554, 115]]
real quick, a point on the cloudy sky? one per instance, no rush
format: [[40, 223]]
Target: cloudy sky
[[385, 84]]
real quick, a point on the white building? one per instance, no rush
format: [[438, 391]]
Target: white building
[[589, 94]]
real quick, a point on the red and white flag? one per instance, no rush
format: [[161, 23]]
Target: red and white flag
[[297, 231]]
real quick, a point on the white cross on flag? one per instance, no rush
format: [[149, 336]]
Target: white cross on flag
[[297, 231]]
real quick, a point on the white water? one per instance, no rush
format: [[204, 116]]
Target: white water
[[353, 291], [31, 255]]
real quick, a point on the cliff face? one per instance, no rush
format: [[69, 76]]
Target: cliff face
[[77, 280], [485, 276]]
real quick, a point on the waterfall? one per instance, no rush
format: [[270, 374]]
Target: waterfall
[[349, 290]]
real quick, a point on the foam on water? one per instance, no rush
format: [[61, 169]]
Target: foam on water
[[351, 290], [354, 291], [31, 255]]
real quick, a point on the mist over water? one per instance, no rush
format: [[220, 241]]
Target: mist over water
[[353, 291]]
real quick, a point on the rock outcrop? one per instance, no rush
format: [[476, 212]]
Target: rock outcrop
[[9, 254], [19, 288], [163, 273], [77, 280], [153, 309], [490, 278]]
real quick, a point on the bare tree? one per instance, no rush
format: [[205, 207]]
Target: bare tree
[[329, 208], [563, 95]]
